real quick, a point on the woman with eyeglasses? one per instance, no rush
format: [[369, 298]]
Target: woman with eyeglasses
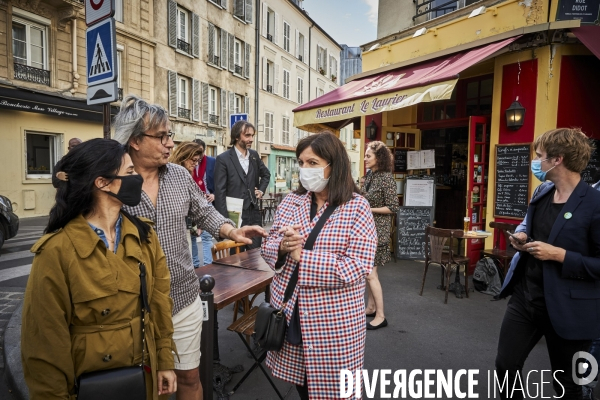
[[92, 273], [188, 154]]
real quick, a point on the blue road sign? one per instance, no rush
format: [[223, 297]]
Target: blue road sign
[[101, 51], [233, 118]]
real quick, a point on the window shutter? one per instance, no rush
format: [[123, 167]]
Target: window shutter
[[305, 53], [238, 8], [195, 100], [248, 11], [204, 102], [211, 43], [232, 109], [172, 23], [319, 58], [276, 80], [224, 36], [265, 78], [195, 35], [172, 93], [231, 52], [276, 30], [247, 61], [296, 54], [264, 17], [272, 128], [224, 4], [325, 61], [330, 66], [224, 115]]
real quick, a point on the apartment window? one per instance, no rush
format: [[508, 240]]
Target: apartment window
[[238, 101], [120, 72], [300, 48], [220, 3], [270, 20], [270, 76], [217, 46], [182, 24], [213, 108], [320, 92], [119, 10], [30, 52], [43, 151], [286, 84], [300, 90], [322, 60], [242, 9], [333, 69], [285, 131], [286, 36], [183, 29], [237, 56], [300, 134], [183, 110], [268, 127]]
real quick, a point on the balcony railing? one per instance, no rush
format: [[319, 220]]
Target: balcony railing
[[183, 113], [183, 46], [120, 94], [428, 7], [270, 88], [213, 119], [238, 69], [31, 74], [269, 37], [216, 60]]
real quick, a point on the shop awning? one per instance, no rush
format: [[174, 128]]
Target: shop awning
[[589, 35], [428, 81]]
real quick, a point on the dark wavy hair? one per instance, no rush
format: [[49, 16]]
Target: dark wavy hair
[[383, 156], [327, 146], [83, 164]]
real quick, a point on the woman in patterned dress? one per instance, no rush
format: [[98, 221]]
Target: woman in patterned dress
[[329, 293], [380, 190]]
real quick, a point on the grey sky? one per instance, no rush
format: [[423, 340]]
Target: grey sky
[[351, 22]]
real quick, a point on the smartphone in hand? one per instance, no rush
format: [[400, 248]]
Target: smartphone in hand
[[519, 241]]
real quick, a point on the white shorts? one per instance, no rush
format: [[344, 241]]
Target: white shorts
[[187, 326]]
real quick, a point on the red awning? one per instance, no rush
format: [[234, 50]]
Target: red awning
[[428, 81], [589, 35]]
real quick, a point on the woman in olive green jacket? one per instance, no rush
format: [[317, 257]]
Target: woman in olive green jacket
[[82, 309]]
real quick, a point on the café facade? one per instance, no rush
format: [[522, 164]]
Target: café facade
[[476, 85]]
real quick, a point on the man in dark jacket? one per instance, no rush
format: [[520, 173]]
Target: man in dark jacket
[[240, 173]]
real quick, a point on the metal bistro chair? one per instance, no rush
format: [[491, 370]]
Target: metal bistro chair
[[222, 249], [435, 241], [503, 256]]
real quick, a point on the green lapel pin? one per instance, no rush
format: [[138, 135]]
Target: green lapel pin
[[568, 215]]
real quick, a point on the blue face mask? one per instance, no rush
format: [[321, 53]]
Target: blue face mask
[[536, 169]]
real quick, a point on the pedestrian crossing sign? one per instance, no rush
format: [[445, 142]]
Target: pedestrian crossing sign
[[101, 53]]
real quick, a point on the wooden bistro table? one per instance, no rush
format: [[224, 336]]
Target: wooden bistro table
[[457, 287], [235, 277]]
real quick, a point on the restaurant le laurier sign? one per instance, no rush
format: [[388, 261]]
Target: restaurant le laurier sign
[[374, 104]]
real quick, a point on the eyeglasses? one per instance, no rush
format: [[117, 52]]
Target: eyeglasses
[[194, 160], [164, 139]]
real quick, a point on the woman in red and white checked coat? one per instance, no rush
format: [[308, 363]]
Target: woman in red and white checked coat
[[331, 281]]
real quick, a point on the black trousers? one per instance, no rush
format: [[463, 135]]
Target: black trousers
[[522, 327], [252, 217]]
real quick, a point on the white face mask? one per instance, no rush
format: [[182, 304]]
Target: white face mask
[[313, 179]]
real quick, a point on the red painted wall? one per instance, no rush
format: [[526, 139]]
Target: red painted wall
[[578, 104], [378, 118], [524, 85]]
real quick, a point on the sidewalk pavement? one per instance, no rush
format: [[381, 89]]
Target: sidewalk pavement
[[423, 333]]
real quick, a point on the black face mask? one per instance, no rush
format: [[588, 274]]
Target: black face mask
[[130, 192]]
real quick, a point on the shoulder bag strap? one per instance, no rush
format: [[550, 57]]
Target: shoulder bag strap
[[308, 246], [145, 305]]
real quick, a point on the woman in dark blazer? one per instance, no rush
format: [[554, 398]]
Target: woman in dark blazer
[[555, 284]]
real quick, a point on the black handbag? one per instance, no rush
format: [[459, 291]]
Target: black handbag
[[125, 383], [270, 326]]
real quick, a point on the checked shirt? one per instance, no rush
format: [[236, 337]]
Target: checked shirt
[[179, 197], [330, 292]]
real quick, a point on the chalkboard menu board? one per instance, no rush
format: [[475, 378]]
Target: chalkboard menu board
[[513, 166], [410, 225], [593, 167], [400, 160]]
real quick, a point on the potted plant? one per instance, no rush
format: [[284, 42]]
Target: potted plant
[[333, 78], [321, 71]]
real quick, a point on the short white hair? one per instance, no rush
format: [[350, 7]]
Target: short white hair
[[131, 120]]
